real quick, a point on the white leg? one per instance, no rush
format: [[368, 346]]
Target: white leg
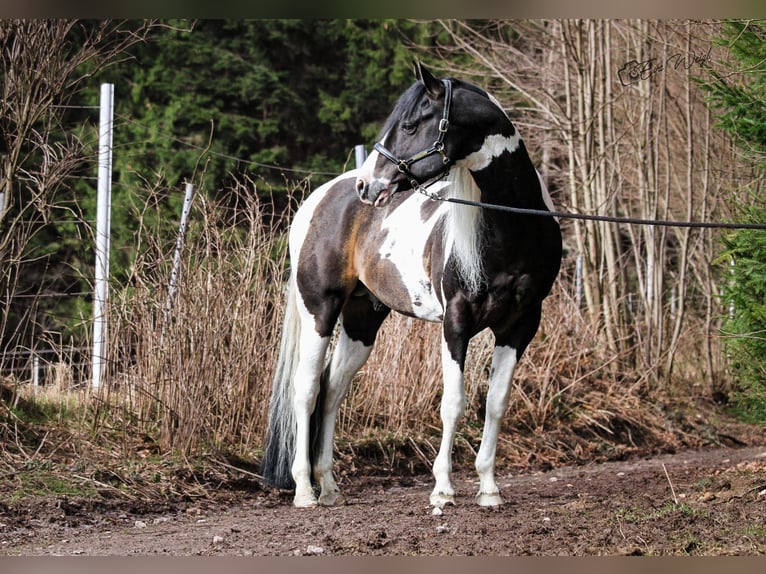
[[503, 365], [347, 359], [306, 389], [453, 403]]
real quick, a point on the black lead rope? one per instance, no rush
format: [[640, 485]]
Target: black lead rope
[[403, 165], [607, 218]]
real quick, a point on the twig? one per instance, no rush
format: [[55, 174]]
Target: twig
[[418, 452], [16, 440], [242, 470], [619, 527], [104, 485], [672, 490], [42, 442]]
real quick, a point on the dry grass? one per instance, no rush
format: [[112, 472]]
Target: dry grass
[[199, 373], [197, 379]]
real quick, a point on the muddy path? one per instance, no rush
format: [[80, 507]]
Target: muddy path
[[707, 502]]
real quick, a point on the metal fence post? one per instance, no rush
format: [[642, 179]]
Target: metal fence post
[[102, 231]]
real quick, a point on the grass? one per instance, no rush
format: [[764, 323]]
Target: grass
[[755, 530], [635, 514], [48, 482]]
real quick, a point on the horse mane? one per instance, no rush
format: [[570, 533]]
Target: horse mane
[[464, 230]]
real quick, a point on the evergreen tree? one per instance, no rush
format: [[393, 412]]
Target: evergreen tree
[[742, 104], [258, 94], [278, 100]]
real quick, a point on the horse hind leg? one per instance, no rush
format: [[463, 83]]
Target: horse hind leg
[[347, 359], [361, 319], [315, 333], [313, 348], [503, 365]]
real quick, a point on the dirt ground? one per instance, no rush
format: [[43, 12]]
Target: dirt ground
[[704, 502]]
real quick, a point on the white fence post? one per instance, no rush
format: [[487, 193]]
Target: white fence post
[[360, 153], [180, 241], [578, 281], [35, 372], [102, 231]]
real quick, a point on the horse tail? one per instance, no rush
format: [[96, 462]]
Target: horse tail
[[280, 436]]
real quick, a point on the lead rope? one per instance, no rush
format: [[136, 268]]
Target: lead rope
[[584, 216]]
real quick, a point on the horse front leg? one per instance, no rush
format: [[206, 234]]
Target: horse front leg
[[509, 347], [503, 364], [361, 318], [452, 406]]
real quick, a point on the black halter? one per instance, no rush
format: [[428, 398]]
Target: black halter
[[403, 165]]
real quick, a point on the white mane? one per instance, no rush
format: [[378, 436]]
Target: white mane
[[463, 229]]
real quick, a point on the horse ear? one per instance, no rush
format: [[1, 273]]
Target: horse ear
[[434, 86]]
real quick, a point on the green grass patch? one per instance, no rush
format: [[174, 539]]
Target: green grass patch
[[755, 530], [636, 514], [41, 480]]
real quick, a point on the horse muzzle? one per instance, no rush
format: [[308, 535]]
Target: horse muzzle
[[377, 192]]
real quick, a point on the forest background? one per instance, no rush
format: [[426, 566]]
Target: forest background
[[649, 337]]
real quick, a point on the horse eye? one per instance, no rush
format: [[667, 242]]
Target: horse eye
[[409, 127]]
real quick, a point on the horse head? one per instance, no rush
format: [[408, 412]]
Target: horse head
[[435, 124]]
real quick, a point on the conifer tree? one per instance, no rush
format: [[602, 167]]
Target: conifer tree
[[741, 100]]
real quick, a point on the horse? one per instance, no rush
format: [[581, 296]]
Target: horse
[[377, 239]]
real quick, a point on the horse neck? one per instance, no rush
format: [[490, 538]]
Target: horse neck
[[511, 180]]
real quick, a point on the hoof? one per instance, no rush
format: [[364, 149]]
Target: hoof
[[489, 499], [304, 501], [332, 499], [441, 499]]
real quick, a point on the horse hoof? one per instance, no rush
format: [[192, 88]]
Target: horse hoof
[[441, 499], [304, 501], [332, 499], [489, 499]]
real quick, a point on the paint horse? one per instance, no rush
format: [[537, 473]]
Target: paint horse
[[354, 261]]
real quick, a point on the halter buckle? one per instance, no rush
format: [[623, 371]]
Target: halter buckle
[[443, 125]]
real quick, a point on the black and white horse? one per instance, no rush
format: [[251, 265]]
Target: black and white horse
[[369, 241]]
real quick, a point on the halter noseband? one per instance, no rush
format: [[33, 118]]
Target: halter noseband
[[403, 165]]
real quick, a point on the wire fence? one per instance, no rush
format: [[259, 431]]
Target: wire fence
[[27, 363], [33, 364]]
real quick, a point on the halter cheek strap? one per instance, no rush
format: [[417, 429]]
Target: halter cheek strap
[[403, 165]]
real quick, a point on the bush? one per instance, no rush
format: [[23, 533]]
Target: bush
[[745, 296]]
